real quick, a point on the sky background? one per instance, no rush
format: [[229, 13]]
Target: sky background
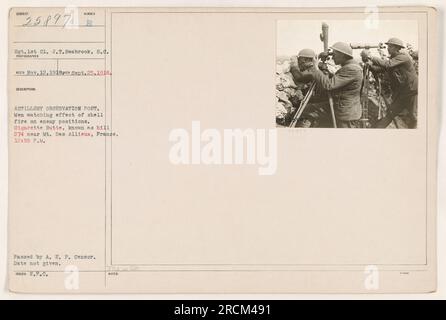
[[294, 35]]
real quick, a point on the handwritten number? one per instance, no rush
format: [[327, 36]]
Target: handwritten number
[[38, 20], [27, 22], [47, 20], [56, 18], [69, 18]]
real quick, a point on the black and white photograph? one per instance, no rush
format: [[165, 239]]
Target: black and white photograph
[[347, 74]]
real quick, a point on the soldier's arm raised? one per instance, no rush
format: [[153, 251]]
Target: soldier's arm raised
[[299, 76], [390, 63], [342, 78], [376, 68]]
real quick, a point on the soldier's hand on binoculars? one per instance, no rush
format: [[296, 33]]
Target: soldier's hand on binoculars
[[323, 66], [323, 56]]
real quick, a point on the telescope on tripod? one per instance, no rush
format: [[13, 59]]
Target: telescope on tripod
[[367, 46]]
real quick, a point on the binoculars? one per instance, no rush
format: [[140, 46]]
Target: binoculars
[[325, 55]]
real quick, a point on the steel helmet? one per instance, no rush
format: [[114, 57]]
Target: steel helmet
[[343, 48], [365, 53], [306, 53], [396, 42]]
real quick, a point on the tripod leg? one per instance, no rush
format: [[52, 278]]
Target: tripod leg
[[299, 112], [330, 101], [302, 106]]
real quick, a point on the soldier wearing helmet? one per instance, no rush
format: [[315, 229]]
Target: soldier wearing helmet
[[403, 82], [344, 85], [305, 60]]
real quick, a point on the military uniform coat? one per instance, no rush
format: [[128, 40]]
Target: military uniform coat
[[345, 87]]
